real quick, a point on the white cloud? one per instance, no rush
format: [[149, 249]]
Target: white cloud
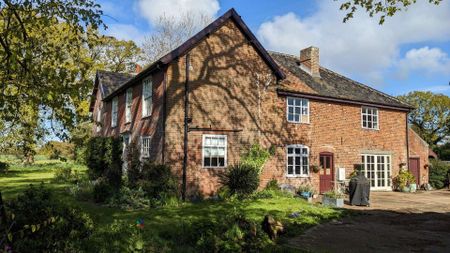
[[438, 88], [125, 32], [153, 9], [360, 46], [425, 60]]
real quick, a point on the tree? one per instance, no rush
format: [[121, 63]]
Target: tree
[[384, 7], [431, 118], [169, 34]]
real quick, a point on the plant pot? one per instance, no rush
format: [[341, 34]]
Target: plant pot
[[306, 195], [412, 187], [326, 201], [405, 189]]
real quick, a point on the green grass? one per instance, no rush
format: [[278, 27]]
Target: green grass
[[166, 221]]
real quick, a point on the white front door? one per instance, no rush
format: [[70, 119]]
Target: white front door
[[377, 168]]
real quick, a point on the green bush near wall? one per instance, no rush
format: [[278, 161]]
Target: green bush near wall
[[438, 173]]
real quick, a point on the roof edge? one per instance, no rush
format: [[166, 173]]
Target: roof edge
[[285, 92]]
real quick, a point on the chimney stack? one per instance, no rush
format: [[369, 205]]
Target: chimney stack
[[138, 69], [309, 60]]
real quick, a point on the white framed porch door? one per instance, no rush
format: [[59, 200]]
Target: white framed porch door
[[377, 168]]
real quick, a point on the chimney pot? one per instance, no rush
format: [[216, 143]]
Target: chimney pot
[[309, 60], [138, 69]]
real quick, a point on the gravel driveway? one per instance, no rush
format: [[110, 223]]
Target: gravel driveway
[[395, 222]]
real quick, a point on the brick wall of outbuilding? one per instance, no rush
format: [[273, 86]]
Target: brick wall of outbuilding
[[418, 148]]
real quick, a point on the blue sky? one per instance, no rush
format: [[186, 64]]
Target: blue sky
[[411, 51]]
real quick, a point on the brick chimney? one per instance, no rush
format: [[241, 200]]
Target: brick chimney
[[138, 69], [309, 60]]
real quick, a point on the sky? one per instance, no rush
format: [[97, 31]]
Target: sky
[[410, 51]]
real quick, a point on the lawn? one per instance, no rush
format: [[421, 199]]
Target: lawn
[[164, 223]]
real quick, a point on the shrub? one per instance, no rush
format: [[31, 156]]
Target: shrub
[[256, 157], [45, 225], [63, 174], [104, 159], [134, 165], [129, 199], [158, 182], [404, 178], [241, 179], [272, 185], [438, 173], [334, 194], [102, 190], [3, 167], [82, 189]]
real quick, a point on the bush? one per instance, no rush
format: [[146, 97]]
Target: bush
[[158, 182], [404, 178], [42, 224], [3, 167], [134, 165], [102, 190], [241, 179], [438, 173], [129, 199], [272, 185], [63, 174], [82, 189], [104, 159]]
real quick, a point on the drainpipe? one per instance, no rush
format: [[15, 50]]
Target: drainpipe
[[186, 126], [164, 115], [407, 141]]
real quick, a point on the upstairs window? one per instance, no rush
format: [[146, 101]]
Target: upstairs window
[[145, 146], [128, 103], [214, 151], [297, 110], [99, 119], [147, 97], [114, 111], [369, 118], [297, 160]]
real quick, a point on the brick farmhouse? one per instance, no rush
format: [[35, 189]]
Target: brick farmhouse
[[201, 106]]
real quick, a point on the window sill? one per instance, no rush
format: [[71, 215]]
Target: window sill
[[298, 176], [127, 123], [299, 123], [371, 129], [146, 117], [223, 167]]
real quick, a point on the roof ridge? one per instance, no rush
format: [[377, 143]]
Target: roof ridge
[[365, 86]]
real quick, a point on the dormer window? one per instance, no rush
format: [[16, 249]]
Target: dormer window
[[369, 118], [297, 110]]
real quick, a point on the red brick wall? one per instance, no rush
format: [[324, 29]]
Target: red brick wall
[[418, 148]]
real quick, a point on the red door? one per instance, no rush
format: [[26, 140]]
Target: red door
[[326, 172], [414, 168]]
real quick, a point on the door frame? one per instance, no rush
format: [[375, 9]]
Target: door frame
[[418, 169], [333, 176]]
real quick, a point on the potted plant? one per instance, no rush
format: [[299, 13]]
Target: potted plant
[[405, 181], [306, 191], [315, 168], [333, 198]]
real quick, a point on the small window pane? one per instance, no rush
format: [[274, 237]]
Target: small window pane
[[290, 150], [290, 170], [207, 161], [297, 170]]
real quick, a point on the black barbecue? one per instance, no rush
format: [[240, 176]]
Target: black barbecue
[[359, 189]]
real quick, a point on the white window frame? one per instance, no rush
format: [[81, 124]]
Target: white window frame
[[205, 136], [128, 104], [114, 111], [371, 115], [145, 146], [386, 164], [298, 110], [99, 119], [294, 155], [147, 97]]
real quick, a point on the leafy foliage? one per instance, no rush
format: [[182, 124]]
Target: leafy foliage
[[134, 164], [387, 8], [241, 179], [46, 225], [404, 178], [431, 119], [256, 157], [4, 167], [438, 173], [129, 199], [104, 159], [158, 182], [102, 190], [63, 174]]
